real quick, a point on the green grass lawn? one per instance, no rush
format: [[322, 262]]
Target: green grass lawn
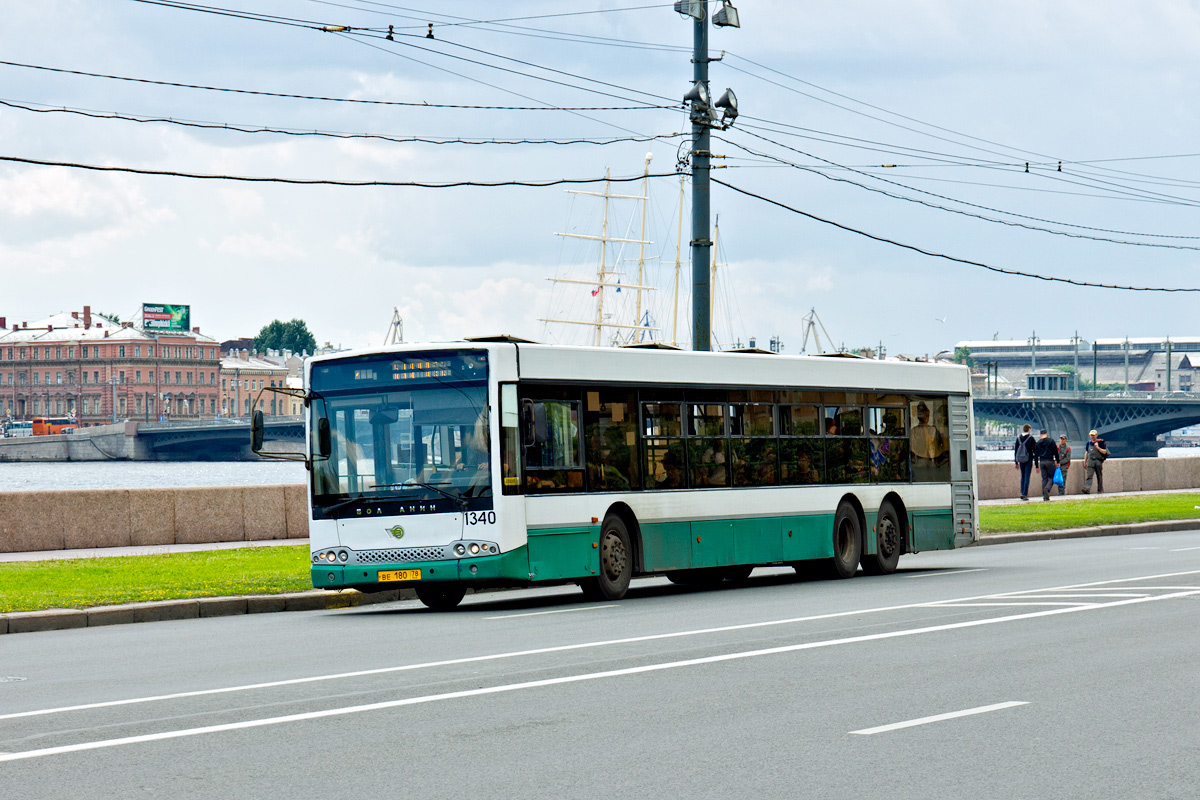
[[85, 582], [1062, 513]]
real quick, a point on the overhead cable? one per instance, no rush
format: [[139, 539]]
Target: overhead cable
[[331, 182], [932, 254], [406, 104], [965, 203], [239, 128]]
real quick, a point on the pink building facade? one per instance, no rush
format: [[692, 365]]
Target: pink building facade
[[104, 371]]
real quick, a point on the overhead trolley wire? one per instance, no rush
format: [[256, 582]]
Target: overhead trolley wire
[[1050, 162], [933, 254], [320, 98], [382, 34], [242, 128], [964, 202], [331, 182]]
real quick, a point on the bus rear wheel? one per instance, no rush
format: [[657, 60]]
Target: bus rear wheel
[[889, 538], [847, 542], [441, 598], [616, 562]]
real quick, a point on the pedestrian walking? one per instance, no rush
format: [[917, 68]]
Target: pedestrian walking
[[1093, 463], [1064, 462], [1023, 458], [1046, 455]]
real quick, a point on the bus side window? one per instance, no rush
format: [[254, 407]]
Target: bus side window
[[610, 440], [552, 453]]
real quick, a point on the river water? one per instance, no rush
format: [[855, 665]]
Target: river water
[[44, 476]]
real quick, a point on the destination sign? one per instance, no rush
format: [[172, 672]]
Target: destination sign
[[384, 371]]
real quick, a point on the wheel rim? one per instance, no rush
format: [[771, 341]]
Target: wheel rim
[[613, 556], [889, 536]]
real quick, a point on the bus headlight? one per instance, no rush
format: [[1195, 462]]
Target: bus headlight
[[474, 548], [460, 550], [343, 556]]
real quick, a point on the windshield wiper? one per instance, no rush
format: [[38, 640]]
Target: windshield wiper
[[348, 502], [457, 498]]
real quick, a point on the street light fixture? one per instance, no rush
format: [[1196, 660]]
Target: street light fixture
[[692, 8], [727, 17], [727, 101]]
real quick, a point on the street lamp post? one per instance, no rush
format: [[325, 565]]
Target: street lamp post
[[704, 118]]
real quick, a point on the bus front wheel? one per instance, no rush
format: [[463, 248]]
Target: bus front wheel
[[847, 541], [441, 598], [616, 562], [889, 538]]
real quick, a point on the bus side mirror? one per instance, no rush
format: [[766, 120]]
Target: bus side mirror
[[324, 444], [256, 431]]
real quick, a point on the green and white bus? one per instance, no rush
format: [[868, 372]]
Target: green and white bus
[[499, 462]]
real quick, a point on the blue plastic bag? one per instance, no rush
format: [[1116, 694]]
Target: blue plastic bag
[[1058, 478]]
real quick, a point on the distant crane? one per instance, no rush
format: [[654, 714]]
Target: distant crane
[[395, 331], [811, 322]]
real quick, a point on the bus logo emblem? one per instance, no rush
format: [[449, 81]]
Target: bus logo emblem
[[397, 532]]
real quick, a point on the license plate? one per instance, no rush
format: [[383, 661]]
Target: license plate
[[400, 575]]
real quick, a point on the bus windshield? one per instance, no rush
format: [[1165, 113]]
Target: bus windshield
[[406, 428]]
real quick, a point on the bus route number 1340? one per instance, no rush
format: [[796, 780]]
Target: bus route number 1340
[[480, 518]]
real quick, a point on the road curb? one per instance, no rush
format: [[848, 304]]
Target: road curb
[[1164, 526], [57, 619]]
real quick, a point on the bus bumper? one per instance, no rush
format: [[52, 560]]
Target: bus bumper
[[505, 569]]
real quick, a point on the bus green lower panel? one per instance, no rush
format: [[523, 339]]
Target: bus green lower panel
[[808, 537], [564, 553], [506, 568], [933, 530], [714, 543], [666, 545]]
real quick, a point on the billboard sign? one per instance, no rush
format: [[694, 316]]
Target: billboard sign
[[158, 318]]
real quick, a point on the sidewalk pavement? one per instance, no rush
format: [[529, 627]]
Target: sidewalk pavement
[[320, 599]]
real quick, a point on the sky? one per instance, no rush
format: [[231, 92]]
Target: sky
[[907, 122]]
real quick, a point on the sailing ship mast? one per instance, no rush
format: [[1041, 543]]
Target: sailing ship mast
[[605, 276]]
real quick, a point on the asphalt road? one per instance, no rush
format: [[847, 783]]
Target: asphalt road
[[1057, 669]]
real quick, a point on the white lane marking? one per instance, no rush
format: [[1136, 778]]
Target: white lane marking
[[952, 572], [1183, 549], [1112, 595], [1000, 605], [556, 611], [558, 649], [1167, 588], [587, 676], [895, 726]]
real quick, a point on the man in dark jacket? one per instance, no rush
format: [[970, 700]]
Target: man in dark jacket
[[1023, 457], [1046, 454]]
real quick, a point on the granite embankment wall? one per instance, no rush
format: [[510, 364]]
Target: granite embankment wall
[[84, 518], [1001, 479]]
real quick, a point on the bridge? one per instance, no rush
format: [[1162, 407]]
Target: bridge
[[1128, 421], [207, 440]]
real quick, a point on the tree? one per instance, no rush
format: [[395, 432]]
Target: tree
[[962, 355], [278, 335]]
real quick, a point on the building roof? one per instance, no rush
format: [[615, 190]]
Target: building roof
[[233, 362], [68, 326]]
